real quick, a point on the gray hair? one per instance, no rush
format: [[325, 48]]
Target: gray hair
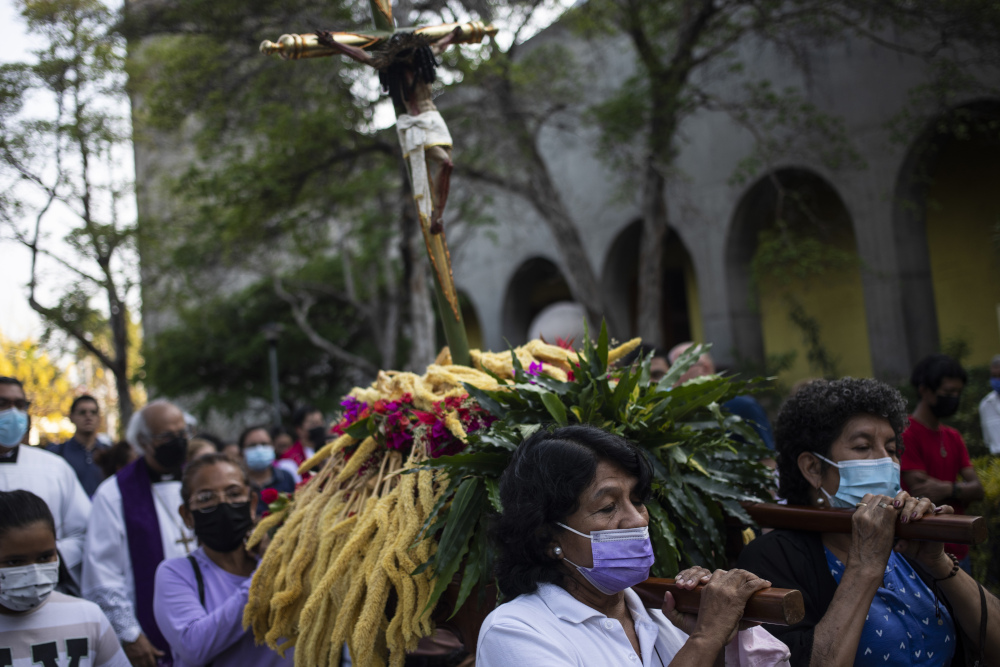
[[137, 433], [995, 361]]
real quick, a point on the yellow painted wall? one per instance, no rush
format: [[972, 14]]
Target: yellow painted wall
[[676, 256], [836, 300], [693, 302], [963, 206]]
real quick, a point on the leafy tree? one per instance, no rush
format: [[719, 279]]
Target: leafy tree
[[59, 172], [287, 172], [45, 384], [217, 352]]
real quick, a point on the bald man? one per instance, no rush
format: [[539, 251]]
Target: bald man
[[133, 526], [745, 407]]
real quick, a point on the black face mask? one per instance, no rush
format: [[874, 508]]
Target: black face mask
[[945, 406], [171, 454], [225, 527], [317, 436]]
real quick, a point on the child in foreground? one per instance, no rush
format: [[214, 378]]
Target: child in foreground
[[39, 626]]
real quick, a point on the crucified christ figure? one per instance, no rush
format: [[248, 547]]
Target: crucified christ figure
[[407, 66], [405, 59]]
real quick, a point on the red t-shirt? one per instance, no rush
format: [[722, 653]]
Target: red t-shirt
[[296, 453], [922, 450]]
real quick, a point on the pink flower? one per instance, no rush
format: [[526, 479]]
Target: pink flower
[[535, 368]]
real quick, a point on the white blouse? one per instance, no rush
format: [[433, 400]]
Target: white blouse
[[550, 627]]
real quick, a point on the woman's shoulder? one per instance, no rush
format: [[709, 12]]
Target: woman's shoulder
[[181, 567], [539, 611], [522, 607], [779, 546]]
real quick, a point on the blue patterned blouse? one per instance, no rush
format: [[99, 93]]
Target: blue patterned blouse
[[902, 626]]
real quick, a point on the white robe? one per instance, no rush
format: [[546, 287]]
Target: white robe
[[108, 577], [49, 477]]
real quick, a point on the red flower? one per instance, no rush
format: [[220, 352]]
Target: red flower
[[564, 344], [269, 495], [425, 417], [570, 377]]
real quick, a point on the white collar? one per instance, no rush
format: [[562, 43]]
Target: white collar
[[568, 608]]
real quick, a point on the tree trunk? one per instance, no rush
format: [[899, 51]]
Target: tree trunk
[[125, 405], [119, 320], [541, 192], [580, 274], [416, 271], [654, 233], [390, 320]]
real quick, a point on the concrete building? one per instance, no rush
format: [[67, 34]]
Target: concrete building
[[919, 223]]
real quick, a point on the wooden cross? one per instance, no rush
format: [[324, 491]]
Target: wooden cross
[[185, 540], [405, 59]]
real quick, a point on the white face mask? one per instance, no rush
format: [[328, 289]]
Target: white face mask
[[26, 587]]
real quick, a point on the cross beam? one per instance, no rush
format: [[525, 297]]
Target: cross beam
[[401, 55]]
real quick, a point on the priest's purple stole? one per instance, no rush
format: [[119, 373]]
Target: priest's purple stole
[[145, 546]]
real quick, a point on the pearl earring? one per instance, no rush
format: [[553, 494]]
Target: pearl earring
[[820, 501], [557, 551]]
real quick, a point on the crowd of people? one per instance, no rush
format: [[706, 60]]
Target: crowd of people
[[134, 553]]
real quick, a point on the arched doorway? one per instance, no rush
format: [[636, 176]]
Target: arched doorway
[[680, 313], [795, 280], [947, 232], [537, 283]]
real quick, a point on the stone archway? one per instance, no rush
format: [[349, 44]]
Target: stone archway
[[944, 214], [794, 279], [535, 284], [681, 312]]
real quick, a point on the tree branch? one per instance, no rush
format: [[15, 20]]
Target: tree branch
[[52, 315], [300, 312]]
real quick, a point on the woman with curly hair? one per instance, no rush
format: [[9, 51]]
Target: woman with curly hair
[[868, 600], [571, 541]]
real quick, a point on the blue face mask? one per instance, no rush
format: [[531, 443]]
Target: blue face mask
[[259, 457], [13, 424], [861, 476], [995, 383]]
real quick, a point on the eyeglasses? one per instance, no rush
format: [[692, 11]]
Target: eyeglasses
[[19, 403], [234, 495], [170, 435]]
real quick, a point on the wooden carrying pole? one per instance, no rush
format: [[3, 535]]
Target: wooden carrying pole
[[952, 528], [777, 606]]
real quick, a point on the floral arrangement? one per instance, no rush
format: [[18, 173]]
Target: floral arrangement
[[401, 425], [405, 489], [355, 531], [705, 462]]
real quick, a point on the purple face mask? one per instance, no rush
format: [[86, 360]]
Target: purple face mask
[[622, 558]]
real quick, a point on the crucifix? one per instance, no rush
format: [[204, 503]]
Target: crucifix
[[405, 59], [186, 541]]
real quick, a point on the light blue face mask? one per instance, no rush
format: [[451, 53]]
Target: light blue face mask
[[861, 476], [13, 424], [259, 457]]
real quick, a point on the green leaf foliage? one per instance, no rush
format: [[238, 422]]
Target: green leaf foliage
[[218, 352], [701, 472]]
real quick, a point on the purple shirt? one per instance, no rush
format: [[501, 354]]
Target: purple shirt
[[213, 633]]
